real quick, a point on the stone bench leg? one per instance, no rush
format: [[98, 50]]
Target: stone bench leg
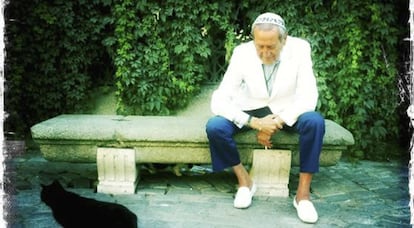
[[270, 171], [117, 171]]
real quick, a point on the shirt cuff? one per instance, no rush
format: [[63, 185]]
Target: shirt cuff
[[288, 121], [241, 119]]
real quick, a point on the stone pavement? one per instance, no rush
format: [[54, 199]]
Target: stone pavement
[[361, 194]]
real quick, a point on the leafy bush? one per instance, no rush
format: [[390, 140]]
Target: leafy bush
[[54, 55], [161, 50], [158, 53]]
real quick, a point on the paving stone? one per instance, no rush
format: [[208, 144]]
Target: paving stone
[[363, 194]]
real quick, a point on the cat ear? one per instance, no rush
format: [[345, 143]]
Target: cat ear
[[57, 184]]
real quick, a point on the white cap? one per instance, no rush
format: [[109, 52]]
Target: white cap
[[270, 18]]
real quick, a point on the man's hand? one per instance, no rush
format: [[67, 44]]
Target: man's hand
[[266, 127], [264, 139], [268, 124]]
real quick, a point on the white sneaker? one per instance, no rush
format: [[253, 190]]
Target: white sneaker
[[244, 197], [306, 211]]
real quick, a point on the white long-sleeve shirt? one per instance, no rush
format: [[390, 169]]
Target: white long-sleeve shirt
[[244, 88]]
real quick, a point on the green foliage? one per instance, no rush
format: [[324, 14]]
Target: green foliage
[[161, 51], [158, 53], [53, 57], [358, 71]]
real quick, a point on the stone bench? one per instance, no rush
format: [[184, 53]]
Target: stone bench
[[117, 143]]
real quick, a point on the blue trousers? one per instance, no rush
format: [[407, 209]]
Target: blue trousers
[[223, 148]]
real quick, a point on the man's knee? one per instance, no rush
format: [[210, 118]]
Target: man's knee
[[216, 126], [311, 120]]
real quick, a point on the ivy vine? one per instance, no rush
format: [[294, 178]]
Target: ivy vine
[[157, 55]]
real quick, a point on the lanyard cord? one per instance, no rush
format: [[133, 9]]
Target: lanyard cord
[[269, 78]]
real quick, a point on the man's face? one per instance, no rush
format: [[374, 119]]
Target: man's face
[[268, 45]]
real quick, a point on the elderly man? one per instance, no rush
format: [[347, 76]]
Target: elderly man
[[269, 85]]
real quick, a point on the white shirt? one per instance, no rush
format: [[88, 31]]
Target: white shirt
[[243, 86]]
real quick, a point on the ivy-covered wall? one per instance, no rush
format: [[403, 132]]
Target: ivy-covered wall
[[157, 54], [162, 49], [54, 57]]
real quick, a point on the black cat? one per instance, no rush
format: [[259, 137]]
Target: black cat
[[72, 210]]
